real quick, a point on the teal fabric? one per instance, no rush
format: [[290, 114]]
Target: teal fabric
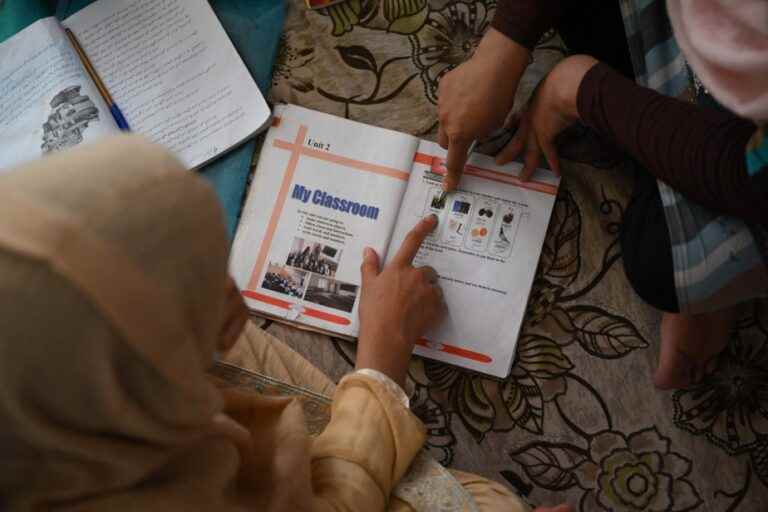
[[16, 15], [254, 27], [757, 153]]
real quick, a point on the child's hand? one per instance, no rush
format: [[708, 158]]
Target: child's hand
[[552, 109], [398, 305]]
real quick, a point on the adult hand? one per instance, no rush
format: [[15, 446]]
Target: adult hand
[[475, 98], [552, 109], [398, 305], [235, 316]]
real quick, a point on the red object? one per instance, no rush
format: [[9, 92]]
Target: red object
[[284, 304], [437, 165], [456, 351]]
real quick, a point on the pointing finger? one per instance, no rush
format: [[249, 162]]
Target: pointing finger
[[414, 239], [442, 137], [457, 157]]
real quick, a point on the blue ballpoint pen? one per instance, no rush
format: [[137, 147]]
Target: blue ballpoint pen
[[113, 108]]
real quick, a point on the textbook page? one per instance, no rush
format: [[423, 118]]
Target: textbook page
[[325, 188], [485, 248], [47, 100], [172, 70]]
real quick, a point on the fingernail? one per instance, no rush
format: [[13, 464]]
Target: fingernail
[[368, 253], [434, 218]]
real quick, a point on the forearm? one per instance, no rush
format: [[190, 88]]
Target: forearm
[[507, 59], [525, 21], [366, 448], [697, 151]]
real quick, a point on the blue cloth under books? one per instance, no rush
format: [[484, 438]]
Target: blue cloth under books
[[254, 27]]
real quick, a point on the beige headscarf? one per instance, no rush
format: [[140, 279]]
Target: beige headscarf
[[112, 290]]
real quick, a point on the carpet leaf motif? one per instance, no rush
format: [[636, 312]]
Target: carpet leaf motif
[[603, 334], [549, 465], [358, 57]]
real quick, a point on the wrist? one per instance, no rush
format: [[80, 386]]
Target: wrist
[[396, 371], [502, 49], [506, 57], [569, 75], [385, 351]]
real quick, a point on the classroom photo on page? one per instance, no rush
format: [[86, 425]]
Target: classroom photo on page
[[331, 293], [315, 257], [285, 280]]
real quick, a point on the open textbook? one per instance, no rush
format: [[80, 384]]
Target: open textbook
[[326, 187], [168, 64]]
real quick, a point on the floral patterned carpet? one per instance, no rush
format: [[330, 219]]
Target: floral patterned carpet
[[578, 419]]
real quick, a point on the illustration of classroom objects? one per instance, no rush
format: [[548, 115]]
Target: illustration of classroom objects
[[478, 223]]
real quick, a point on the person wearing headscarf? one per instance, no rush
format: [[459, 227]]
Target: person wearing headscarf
[[681, 89], [115, 300]]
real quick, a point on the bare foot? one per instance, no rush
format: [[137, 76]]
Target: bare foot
[[689, 345]]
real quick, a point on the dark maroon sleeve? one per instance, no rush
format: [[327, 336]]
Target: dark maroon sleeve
[[699, 152], [525, 21]]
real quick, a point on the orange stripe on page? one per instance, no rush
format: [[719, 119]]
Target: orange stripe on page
[[342, 160], [437, 165], [267, 299], [284, 304], [456, 351], [423, 158], [277, 210]]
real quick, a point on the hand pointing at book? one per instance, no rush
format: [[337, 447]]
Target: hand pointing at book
[[475, 98], [398, 305]]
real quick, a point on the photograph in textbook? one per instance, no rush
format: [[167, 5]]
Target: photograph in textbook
[[314, 257], [331, 293], [288, 281]]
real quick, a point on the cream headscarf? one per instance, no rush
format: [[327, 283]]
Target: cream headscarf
[[112, 285]]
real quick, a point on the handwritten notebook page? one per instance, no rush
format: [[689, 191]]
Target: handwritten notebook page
[[174, 72], [47, 101]]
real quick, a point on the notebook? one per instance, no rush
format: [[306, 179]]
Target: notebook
[[327, 187], [168, 64]]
